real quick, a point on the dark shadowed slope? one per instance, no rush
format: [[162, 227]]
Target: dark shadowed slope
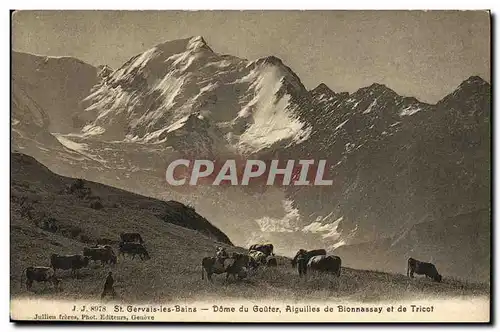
[[41, 194]]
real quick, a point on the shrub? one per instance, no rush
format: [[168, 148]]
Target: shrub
[[78, 188], [96, 204], [49, 224], [78, 184]]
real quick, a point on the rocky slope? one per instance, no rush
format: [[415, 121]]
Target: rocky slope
[[396, 161]]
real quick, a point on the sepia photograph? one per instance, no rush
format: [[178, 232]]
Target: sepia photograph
[[250, 166]]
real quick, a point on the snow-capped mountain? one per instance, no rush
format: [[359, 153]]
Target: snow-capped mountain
[[395, 162], [250, 103], [58, 84], [403, 161]]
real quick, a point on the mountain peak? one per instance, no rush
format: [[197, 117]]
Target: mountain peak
[[378, 86], [322, 87], [377, 89], [272, 60], [472, 88], [197, 42], [476, 78], [474, 81], [193, 43]]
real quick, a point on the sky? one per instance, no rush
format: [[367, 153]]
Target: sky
[[425, 54]]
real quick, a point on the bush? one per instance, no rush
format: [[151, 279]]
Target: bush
[[96, 204], [49, 224], [83, 193], [78, 188], [78, 184], [74, 231]]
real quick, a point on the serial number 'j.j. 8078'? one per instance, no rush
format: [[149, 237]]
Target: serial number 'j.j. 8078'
[[91, 308]]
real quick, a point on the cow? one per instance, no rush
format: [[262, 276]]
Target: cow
[[236, 266], [307, 255], [266, 248], [211, 265], [104, 254], [258, 257], [131, 237], [68, 262], [271, 261], [243, 257], [427, 269], [40, 274], [324, 263], [133, 249]]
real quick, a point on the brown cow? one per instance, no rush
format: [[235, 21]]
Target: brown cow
[[427, 269], [40, 274], [266, 248], [68, 262], [324, 263], [104, 254], [133, 249], [236, 265], [307, 255], [211, 265]]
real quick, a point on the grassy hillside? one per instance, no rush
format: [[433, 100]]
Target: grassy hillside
[[459, 246], [177, 239]]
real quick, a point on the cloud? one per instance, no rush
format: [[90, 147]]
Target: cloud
[[328, 230], [288, 223]]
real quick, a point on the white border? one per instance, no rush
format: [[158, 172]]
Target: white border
[[187, 5]]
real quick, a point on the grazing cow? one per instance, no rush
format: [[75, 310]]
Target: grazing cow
[[307, 255], [40, 274], [131, 237], [258, 256], [236, 266], [104, 254], [211, 265], [418, 267], [133, 249], [68, 262], [325, 263], [271, 261], [266, 248], [244, 258]]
